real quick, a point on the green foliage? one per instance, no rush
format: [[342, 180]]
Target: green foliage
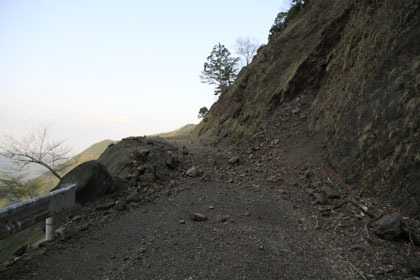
[[283, 18], [203, 112], [14, 189], [279, 25], [220, 69]]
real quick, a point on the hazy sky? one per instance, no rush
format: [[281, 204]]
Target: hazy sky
[[97, 69]]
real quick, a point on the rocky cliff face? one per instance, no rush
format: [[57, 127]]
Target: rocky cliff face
[[360, 62]]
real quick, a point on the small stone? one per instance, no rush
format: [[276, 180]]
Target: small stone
[[310, 191], [330, 193], [19, 252], [172, 184], [181, 222], [275, 142], [171, 162], [76, 218], [247, 214], [44, 243], [197, 217], [320, 198], [281, 191], [120, 205], [141, 250], [296, 110], [134, 197], [103, 206], [222, 218], [84, 227], [389, 269], [234, 160], [211, 207], [193, 172], [141, 154]]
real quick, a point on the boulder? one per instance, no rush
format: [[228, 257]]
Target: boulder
[[388, 227], [92, 180]]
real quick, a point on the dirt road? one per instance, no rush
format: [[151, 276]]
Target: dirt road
[[260, 217]]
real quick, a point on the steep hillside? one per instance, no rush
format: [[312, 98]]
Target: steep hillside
[[359, 61]]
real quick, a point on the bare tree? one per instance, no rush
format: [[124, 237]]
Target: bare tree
[[246, 48], [36, 148]]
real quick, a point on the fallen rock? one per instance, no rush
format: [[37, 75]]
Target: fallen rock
[[134, 197], [275, 142], [234, 160], [19, 252], [222, 218], [388, 227], [141, 154], [281, 191], [120, 205], [296, 110], [141, 250], [193, 172], [92, 180], [104, 206], [45, 243], [330, 192], [197, 217], [320, 198], [171, 162]]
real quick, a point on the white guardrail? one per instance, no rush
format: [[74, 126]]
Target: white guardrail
[[21, 215]]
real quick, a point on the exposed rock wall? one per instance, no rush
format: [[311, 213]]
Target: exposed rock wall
[[370, 102], [360, 60]]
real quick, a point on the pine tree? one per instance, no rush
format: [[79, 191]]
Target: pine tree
[[220, 69]]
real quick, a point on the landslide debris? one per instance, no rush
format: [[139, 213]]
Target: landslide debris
[[358, 62]]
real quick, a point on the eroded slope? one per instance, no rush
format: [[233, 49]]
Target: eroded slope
[[360, 62]]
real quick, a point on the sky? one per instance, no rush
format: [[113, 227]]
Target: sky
[[100, 69]]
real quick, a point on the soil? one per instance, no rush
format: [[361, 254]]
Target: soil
[[252, 211]]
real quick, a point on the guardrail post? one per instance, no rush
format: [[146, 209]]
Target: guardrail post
[[49, 229]]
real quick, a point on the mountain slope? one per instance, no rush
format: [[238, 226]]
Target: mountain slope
[[359, 62]]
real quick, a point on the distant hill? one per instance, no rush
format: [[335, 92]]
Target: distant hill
[[183, 131]]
